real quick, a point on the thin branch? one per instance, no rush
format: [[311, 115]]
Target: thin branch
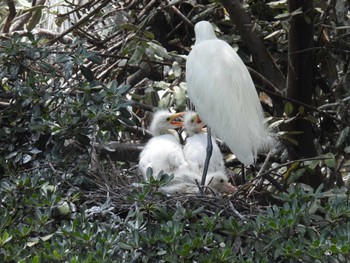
[[262, 58], [10, 17], [314, 109], [80, 21]]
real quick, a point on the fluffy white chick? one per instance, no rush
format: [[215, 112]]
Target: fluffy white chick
[[196, 145], [186, 181], [163, 151]]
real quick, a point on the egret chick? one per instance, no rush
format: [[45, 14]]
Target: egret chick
[[186, 181], [222, 90], [196, 145], [163, 151]]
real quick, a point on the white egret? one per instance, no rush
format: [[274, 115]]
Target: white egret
[[186, 181], [223, 93], [163, 151], [196, 144]]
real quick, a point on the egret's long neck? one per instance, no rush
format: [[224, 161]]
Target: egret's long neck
[[204, 32]]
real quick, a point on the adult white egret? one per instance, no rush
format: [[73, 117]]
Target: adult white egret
[[196, 144], [163, 151], [186, 181], [220, 87]]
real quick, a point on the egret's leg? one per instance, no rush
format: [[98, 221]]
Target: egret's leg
[[207, 159], [243, 173]]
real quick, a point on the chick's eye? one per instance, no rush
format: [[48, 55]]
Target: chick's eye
[[168, 119], [192, 121], [222, 181]]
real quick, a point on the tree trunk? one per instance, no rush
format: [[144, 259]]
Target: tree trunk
[[300, 79]]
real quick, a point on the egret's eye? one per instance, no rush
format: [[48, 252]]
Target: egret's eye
[[192, 121], [168, 119]]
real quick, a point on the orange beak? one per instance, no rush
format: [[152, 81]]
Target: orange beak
[[173, 118]]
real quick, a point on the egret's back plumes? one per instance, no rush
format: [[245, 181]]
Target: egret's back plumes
[[221, 88]]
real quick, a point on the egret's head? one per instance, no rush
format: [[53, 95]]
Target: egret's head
[[192, 123], [218, 182], [204, 31], [163, 121]]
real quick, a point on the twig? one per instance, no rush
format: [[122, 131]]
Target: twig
[[234, 210], [10, 17], [314, 109], [182, 16], [80, 22], [266, 174]]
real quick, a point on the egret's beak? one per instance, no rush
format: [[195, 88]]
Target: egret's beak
[[173, 121], [229, 188]]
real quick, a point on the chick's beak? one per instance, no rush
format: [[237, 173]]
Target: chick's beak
[[229, 188], [199, 120], [175, 122]]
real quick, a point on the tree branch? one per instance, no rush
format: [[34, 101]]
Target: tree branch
[[261, 57], [10, 17], [80, 21], [124, 152]]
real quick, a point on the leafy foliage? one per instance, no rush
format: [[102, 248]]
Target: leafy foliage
[[51, 228]]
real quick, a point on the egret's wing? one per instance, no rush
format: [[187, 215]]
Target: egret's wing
[[220, 87]]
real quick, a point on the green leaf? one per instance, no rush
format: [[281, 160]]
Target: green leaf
[[87, 73], [124, 246], [148, 34], [83, 139], [156, 51], [343, 136], [123, 89], [129, 27], [180, 97], [334, 248], [125, 113], [311, 119], [288, 108], [161, 252], [282, 16], [34, 20], [137, 56], [165, 102], [330, 161], [95, 58], [176, 69]]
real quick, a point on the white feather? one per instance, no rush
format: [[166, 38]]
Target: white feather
[[221, 88], [186, 181]]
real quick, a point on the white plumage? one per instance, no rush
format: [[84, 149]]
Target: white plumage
[[221, 88], [163, 151], [186, 181], [196, 145]]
